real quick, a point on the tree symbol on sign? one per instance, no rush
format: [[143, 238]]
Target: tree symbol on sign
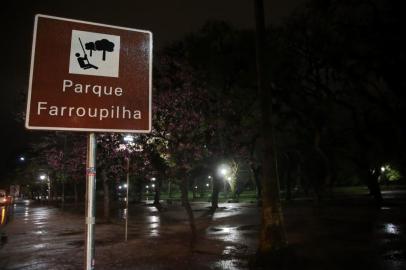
[[105, 46], [90, 46]]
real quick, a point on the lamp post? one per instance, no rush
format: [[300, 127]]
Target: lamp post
[[129, 139], [43, 177], [212, 185], [126, 200], [224, 171]]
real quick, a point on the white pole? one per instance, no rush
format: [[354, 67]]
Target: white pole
[[90, 203], [126, 201]]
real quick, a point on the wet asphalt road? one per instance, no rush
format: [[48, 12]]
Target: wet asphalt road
[[42, 237], [343, 233]]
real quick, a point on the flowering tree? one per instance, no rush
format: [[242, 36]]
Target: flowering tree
[[63, 156], [180, 123]]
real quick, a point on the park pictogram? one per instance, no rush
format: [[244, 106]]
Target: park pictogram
[[94, 54]]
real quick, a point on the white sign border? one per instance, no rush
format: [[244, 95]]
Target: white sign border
[[34, 39]]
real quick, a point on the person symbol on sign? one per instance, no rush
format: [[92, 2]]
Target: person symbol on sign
[[84, 62]]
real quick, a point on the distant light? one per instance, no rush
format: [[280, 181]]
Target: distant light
[[120, 187], [153, 179], [195, 187], [207, 185], [125, 185], [391, 228], [129, 138], [42, 177], [209, 176], [153, 185], [22, 158], [147, 187], [382, 169], [229, 178], [224, 170]]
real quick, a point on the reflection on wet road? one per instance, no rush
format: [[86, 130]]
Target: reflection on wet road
[[235, 223], [3, 215], [32, 236], [391, 228]]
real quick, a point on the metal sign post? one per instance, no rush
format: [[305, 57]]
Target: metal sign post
[[126, 200], [90, 200]]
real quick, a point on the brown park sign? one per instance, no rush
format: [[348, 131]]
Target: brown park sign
[[89, 77]]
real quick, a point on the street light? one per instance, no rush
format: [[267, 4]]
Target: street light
[[129, 141], [129, 138], [43, 177], [224, 171]]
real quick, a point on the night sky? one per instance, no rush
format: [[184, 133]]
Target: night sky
[[168, 20]]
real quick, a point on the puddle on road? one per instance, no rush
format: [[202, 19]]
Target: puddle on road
[[395, 255], [39, 246], [233, 264], [68, 233], [391, 228], [234, 249], [226, 233], [40, 232], [248, 227], [153, 225], [226, 212], [77, 243]]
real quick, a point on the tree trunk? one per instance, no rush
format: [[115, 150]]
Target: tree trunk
[[186, 205], [256, 172], [106, 196], [324, 167], [157, 196], [63, 194], [215, 193], [272, 234], [76, 194], [371, 181], [288, 188], [194, 190]]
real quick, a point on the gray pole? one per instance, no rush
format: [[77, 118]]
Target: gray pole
[[126, 201], [90, 200]]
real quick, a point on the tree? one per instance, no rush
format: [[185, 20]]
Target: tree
[[91, 47], [222, 58], [180, 124], [272, 234], [111, 165], [105, 46]]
